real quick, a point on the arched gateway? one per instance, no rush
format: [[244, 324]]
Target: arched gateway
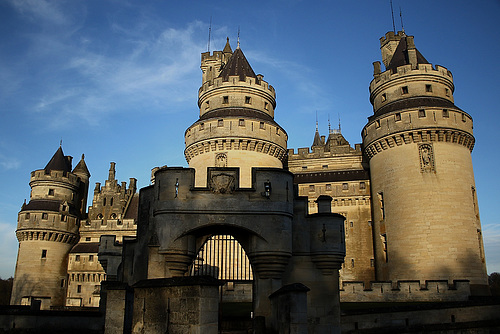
[[236, 185]]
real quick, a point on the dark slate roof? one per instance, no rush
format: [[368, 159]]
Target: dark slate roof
[[415, 102], [85, 247], [58, 162], [47, 205], [82, 167], [400, 56], [237, 65], [317, 139], [348, 175], [133, 208]]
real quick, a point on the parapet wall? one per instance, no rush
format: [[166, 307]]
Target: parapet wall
[[405, 291]]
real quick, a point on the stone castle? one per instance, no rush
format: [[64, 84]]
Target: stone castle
[[394, 213]]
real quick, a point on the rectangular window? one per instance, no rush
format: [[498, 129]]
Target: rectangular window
[[51, 192], [62, 283], [328, 187], [207, 104], [91, 258], [241, 122], [352, 263], [262, 125], [248, 100], [404, 90], [377, 123], [311, 187], [266, 106], [202, 126], [225, 99], [362, 185], [397, 116], [372, 262], [77, 257], [421, 113], [79, 288], [44, 253], [384, 97], [446, 113], [45, 215], [304, 167], [447, 91], [464, 118], [428, 88], [345, 186], [381, 203], [351, 224], [325, 166], [220, 123], [88, 238], [27, 216], [63, 218]]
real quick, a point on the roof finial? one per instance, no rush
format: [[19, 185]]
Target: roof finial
[[316, 120], [329, 126], [209, 33], [340, 131], [83, 156], [392, 13], [238, 38], [60, 143], [401, 16]]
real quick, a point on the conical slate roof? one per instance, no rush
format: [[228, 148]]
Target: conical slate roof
[[400, 56], [227, 47], [82, 167], [58, 162], [317, 139], [237, 65]]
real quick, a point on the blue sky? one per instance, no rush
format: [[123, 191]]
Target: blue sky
[[118, 80]]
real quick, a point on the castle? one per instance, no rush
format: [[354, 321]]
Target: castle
[[399, 209]]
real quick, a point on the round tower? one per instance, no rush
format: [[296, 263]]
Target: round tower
[[426, 219], [236, 127], [47, 230]]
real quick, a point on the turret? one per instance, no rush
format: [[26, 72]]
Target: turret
[[47, 229], [236, 127], [419, 148]]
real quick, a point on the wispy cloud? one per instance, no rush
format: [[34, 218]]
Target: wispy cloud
[[47, 11], [8, 249], [491, 239], [7, 163]]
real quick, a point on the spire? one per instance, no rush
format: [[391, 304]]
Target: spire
[[59, 162], [237, 65], [227, 48], [81, 167], [317, 137], [111, 175]]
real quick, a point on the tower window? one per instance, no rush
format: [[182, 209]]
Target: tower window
[[88, 239], [446, 113], [421, 113], [104, 202], [62, 283], [404, 90], [351, 224], [207, 104], [266, 106], [377, 123], [202, 126], [325, 166], [464, 118], [225, 99], [381, 203], [63, 218], [77, 257], [27, 216], [91, 258], [111, 201], [328, 187], [384, 97], [220, 123], [428, 88], [362, 185], [248, 100], [311, 187], [345, 186], [397, 116], [262, 126], [51, 192], [45, 215], [44, 253], [352, 263], [372, 262], [304, 167], [241, 122], [79, 288], [447, 91]]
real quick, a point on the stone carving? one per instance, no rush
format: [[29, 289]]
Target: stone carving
[[221, 160], [222, 183], [426, 157]]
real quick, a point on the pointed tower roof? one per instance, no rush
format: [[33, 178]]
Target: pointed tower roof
[[81, 168], [227, 48], [58, 162], [401, 57], [237, 65], [317, 139]]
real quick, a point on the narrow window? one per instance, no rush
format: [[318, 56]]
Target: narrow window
[[381, 203], [64, 208], [262, 126], [351, 224], [51, 192], [202, 126], [62, 283], [397, 116], [91, 258], [77, 258], [328, 187], [79, 289], [220, 123], [464, 118], [362, 185], [111, 202], [247, 99], [377, 123], [384, 97], [266, 106], [241, 122], [26, 216], [311, 187], [207, 104], [44, 253], [63, 218], [383, 237], [404, 90], [372, 262], [446, 113], [421, 113], [447, 91], [225, 99], [352, 263], [104, 202], [428, 88], [345, 186], [45, 215]]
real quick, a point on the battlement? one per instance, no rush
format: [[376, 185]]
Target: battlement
[[54, 176], [215, 56], [308, 153], [391, 36], [257, 84], [407, 70], [405, 291]]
